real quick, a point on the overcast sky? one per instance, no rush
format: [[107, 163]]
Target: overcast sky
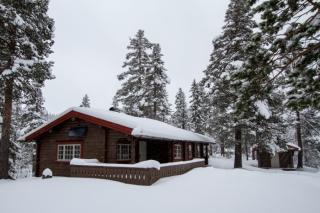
[[91, 39]]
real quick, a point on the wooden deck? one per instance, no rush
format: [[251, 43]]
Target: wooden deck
[[132, 175]]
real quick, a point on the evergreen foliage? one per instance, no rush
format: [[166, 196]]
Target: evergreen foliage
[[180, 116], [197, 108], [26, 36], [143, 91], [285, 46], [282, 66], [226, 59], [155, 100], [133, 79], [85, 101], [24, 119]]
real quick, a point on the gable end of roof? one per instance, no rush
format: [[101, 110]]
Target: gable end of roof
[[33, 135]]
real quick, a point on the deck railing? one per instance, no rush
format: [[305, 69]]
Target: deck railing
[[133, 175]]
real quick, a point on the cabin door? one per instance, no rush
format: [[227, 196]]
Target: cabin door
[[142, 151]]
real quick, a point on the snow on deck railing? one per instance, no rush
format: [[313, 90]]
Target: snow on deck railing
[[94, 162], [142, 173], [143, 164], [182, 162]]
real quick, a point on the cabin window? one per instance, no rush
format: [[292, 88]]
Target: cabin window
[[123, 151], [79, 131], [177, 154], [190, 150], [67, 152]]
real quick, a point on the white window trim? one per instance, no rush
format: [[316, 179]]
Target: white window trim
[[120, 156], [177, 152], [64, 153]]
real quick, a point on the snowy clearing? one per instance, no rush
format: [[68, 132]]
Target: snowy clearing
[[200, 190]]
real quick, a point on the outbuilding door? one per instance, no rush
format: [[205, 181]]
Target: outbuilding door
[[275, 161]]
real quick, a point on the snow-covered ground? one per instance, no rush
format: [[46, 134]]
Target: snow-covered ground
[[200, 190]]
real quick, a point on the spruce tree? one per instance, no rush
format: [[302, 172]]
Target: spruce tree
[[137, 64], [155, 100], [227, 58], [180, 116], [85, 101], [197, 108], [26, 38]]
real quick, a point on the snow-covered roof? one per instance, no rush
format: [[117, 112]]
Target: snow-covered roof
[[141, 127], [294, 146], [274, 148]]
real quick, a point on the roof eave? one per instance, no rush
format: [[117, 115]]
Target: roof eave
[[168, 139]]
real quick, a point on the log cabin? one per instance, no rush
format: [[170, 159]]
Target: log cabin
[[111, 137]]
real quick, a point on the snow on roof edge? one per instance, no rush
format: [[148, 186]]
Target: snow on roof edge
[[140, 129], [22, 138], [294, 146]]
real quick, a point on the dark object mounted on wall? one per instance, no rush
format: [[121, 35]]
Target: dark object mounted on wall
[[79, 131], [114, 109]]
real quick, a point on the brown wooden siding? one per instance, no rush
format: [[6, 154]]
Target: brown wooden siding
[[100, 143], [113, 139], [93, 146]]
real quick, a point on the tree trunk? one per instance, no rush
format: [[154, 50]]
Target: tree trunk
[[299, 139], [222, 149], [154, 110], [246, 145], [237, 149], [246, 150], [5, 141]]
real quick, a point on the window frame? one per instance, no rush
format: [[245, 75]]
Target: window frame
[[64, 145], [120, 154], [176, 154]]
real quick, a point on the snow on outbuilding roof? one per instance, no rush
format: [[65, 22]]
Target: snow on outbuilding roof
[[293, 146], [135, 126]]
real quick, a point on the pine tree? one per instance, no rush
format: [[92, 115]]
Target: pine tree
[[283, 54], [293, 48], [180, 116], [197, 108], [155, 100], [137, 63], [226, 59], [26, 39], [85, 101], [27, 115]]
